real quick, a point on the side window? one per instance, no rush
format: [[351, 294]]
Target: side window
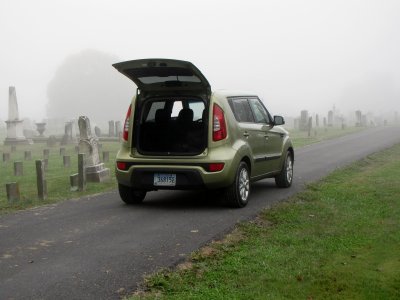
[[198, 107], [176, 108], [259, 111], [241, 109], [152, 111]]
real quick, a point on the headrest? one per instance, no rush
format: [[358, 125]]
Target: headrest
[[162, 116], [185, 115]]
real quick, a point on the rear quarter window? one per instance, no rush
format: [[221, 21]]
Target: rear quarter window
[[241, 110]]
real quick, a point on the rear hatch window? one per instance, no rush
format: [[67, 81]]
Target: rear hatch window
[[172, 126]]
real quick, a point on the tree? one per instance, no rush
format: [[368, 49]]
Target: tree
[[87, 84]]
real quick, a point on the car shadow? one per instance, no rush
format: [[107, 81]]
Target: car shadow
[[201, 200], [183, 200]]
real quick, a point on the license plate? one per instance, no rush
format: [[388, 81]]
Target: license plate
[[164, 179]]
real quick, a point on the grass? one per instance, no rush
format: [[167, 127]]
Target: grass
[[301, 138], [339, 239], [58, 177]]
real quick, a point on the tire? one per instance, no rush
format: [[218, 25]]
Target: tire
[[130, 195], [237, 195], [285, 178]]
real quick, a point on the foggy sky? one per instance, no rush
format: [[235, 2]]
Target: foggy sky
[[294, 54]]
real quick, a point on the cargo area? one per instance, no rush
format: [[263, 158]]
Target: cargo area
[[172, 126]]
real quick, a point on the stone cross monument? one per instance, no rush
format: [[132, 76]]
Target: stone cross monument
[[94, 169], [15, 135]]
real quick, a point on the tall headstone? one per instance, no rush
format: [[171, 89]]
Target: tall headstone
[[15, 130], [303, 125], [358, 118], [68, 136], [111, 129], [97, 131], [118, 129], [94, 169], [330, 118]]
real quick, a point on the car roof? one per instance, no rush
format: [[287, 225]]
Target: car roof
[[233, 93]]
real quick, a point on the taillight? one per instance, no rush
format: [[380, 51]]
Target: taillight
[[219, 125], [125, 132]]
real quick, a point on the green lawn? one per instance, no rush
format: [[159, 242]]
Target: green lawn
[[58, 184], [301, 138], [339, 239]]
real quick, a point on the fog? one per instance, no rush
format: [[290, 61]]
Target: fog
[[295, 55]]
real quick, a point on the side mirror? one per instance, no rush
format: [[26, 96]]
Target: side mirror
[[279, 120]]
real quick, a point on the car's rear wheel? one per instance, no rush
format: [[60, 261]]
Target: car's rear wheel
[[285, 178], [237, 195], [130, 195]]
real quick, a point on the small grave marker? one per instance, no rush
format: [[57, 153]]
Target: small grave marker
[[6, 157], [41, 182], [106, 156], [46, 153], [28, 155], [81, 172], [66, 161], [18, 168], [12, 190]]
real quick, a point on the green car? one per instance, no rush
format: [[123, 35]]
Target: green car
[[178, 134]]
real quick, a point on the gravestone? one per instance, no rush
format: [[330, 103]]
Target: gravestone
[[15, 133], [73, 181], [52, 141], [6, 157], [62, 151], [309, 126], [68, 136], [40, 179], [106, 156], [303, 124], [94, 169], [12, 190], [18, 168], [28, 155], [46, 164], [66, 161], [46, 153], [111, 129], [81, 172], [330, 118], [118, 130], [358, 118], [97, 131]]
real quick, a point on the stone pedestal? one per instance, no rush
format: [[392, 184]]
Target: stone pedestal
[[94, 169], [97, 173], [15, 135]]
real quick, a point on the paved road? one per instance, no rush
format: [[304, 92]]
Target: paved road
[[97, 247]]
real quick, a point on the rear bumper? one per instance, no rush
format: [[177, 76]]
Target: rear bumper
[[143, 179], [188, 177]]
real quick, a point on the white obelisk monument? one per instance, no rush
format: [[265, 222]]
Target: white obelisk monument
[[15, 133]]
